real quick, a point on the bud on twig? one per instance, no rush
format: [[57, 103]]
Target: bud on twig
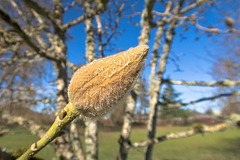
[[97, 87], [229, 22], [94, 90]]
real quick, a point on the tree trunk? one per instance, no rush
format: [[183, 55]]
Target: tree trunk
[[153, 100], [127, 127], [91, 130], [91, 139], [63, 145], [63, 148], [76, 142], [131, 103]]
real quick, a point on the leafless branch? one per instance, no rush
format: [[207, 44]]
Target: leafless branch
[[75, 22], [40, 10], [199, 100], [215, 30], [116, 24], [174, 16], [223, 83], [13, 3], [216, 128], [31, 125], [24, 36], [14, 60], [70, 6], [72, 66], [83, 17], [193, 5], [99, 29]]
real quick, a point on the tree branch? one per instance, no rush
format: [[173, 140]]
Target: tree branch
[[75, 21], [70, 6], [223, 83], [192, 6], [24, 36], [80, 19], [17, 59], [29, 124], [170, 136], [33, 5], [72, 66], [215, 30], [181, 12], [199, 100]]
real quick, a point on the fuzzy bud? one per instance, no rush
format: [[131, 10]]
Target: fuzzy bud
[[229, 22], [100, 85]]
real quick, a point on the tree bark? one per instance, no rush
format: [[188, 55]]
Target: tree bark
[[63, 147], [91, 130], [153, 101], [91, 140], [131, 103], [124, 140], [76, 142]]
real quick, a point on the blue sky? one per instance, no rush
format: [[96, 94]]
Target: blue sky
[[193, 55]]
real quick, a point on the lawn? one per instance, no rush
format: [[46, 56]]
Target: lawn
[[21, 138], [221, 146]]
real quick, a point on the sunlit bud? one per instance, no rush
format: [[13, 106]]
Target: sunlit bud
[[229, 22], [100, 85]]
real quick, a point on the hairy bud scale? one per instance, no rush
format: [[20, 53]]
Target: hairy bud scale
[[98, 86]]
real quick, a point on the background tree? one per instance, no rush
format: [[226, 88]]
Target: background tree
[[226, 57], [40, 27], [34, 37], [170, 95]]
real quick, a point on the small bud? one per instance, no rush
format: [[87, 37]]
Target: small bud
[[99, 86], [34, 147], [62, 114], [214, 30], [229, 22]]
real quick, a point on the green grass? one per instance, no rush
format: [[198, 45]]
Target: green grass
[[221, 146], [21, 138]]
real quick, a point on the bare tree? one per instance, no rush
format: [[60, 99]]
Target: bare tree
[[33, 36], [226, 64], [44, 35], [176, 14]]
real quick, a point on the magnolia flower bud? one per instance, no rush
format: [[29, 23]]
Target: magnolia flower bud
[[229, 22], [99, 86]]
